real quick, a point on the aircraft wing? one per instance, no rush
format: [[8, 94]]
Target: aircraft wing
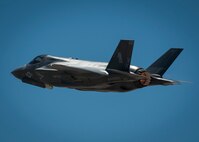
[[77, 69]]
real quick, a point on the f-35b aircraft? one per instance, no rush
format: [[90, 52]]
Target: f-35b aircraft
[[117, 75]]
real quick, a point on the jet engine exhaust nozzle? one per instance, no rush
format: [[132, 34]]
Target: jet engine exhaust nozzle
[[146, 81]]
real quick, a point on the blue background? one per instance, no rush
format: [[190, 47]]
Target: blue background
[[91, 30]]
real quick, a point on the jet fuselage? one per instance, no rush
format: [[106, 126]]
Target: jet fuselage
[[118, 75]]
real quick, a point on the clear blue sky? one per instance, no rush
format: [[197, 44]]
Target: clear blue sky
[[91, 30]]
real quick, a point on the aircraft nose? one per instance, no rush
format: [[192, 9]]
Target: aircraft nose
[[19, 73]]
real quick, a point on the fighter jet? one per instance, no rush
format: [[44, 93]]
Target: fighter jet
[[117, 75]]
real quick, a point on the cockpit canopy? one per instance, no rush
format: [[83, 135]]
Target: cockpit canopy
[[45, 58], [38, 59]]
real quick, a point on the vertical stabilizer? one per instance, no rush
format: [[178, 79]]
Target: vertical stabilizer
[[161, 65], [121, 58]]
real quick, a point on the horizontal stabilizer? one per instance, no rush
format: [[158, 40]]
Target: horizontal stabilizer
[[121, 58], [161, 65]]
